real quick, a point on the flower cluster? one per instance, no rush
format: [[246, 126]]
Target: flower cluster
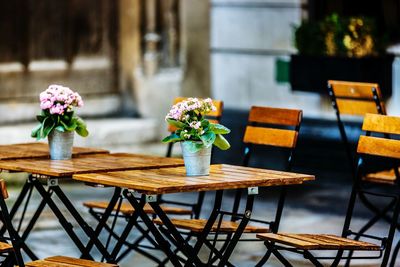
[[58, 99], [188, 118], [182, 110], [57, 103]]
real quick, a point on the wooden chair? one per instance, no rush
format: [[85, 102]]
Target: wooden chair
[[358, 99], [368, 147], [266, 127], [11, 247]]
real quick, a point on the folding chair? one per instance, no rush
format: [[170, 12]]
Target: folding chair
[[369, 147], [10, 247], [269, 127], [357, 99]]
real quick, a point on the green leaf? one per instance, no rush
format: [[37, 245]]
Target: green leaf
[[219, 129], [69, 127], [208, 138], [221, 142], [60, 128], [81, 128], [36, 130], [172, 138], [176, 123], [47, 129], [40, 118]]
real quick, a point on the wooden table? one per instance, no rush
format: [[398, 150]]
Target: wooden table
[[40, 150], [52, 170], [150, 183]]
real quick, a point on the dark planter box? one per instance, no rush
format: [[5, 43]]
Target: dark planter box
[[311, 73]]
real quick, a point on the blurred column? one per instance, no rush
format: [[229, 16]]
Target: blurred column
[[195, 47], [129, 53], [152, 39]]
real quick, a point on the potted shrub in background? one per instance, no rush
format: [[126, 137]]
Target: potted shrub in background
[[58, 121], [340, 48], [196, 134]]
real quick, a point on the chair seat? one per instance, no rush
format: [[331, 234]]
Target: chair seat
[[127, 209], [318, 242], [61, 261], [197, 225], [384, 177], [4, 247]]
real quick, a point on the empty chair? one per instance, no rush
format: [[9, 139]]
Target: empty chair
[[267, 127], [369, 148]]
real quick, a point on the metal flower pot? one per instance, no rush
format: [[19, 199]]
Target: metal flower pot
[[60, 144], [197, 163]]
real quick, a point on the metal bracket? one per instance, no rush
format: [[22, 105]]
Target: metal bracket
[[151, 198], [52, 182], [247, 214], [252, 190]]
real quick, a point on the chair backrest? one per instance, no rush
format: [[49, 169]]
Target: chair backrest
[[274, 127], [356, 98], [380, 146], [385, 148]]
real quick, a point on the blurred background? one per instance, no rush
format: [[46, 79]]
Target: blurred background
[[130, 58]]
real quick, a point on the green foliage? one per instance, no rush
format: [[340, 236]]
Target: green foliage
[[339, 36], [63, 123], [206, 135]]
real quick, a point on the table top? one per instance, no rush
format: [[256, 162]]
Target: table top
[[88, 164], [174, 179], [39, 150]]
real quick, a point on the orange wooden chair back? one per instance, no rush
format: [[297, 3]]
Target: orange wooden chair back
[[380, 146], [261, 130], [356, 98]]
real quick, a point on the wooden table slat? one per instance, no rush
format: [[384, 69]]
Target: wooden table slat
[[88, 163], [174, 180], [40, 150]]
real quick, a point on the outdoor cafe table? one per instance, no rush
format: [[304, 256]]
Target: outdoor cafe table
[[150, 183], [49, 172]]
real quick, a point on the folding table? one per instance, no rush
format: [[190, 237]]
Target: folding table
[[48, 172], [148, 184]]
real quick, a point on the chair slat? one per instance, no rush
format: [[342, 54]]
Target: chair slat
[[270, 136], [379, 147], [381, 124], [354, 89], [288, 117], [356, 107]]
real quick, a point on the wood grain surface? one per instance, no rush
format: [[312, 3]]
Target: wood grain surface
[[174, 180]]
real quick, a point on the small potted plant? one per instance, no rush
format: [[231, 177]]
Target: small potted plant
[[58, 121], [196, 134]]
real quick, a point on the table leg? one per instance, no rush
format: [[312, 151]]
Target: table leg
[[239, 231], [17, 204], [84, 225], [103, 222], [68, 227], [164, 245]]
